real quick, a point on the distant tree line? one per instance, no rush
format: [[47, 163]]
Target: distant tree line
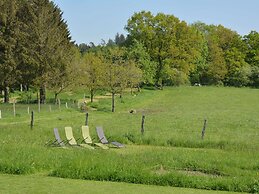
[[36, 52], [171, 52]]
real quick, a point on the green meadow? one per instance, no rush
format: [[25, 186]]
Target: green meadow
[[170, 153]]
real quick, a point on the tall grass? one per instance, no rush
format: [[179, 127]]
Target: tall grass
[[171, 151]]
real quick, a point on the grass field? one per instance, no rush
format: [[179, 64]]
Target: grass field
[[37, 184], [170, 153]]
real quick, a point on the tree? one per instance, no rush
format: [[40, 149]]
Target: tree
[[119, 39], [50, 43], [169, 41], [224, 61], [252, 51], [65, 78], [119, 71], [216, 64], [9, 30], [252, 56], [238, 71], [110, 43], [137, 52], [83, 48], [92, 72]]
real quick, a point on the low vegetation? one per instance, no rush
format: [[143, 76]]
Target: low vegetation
[[43, 184], [169, 153]]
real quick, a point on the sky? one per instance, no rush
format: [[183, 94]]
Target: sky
[[94, 20]]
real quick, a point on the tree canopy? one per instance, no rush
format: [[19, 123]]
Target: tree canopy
[[36, 51]]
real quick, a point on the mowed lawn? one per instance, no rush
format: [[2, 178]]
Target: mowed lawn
[[169, 153], [36, 184]]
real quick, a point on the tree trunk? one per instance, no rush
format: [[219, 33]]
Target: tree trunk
[[139, 90], [56, 98], [159, 81], [92, 95], [6, 94], [113, 102], [43, 95]]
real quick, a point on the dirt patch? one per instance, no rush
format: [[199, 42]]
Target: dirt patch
[[161, 170]]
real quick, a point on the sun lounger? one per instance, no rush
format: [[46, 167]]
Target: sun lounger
[[57, 137], [104, 140], [57, 141], [88, 140], [72, 140]]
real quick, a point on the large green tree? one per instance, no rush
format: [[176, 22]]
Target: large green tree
[[224, 60], [49, 44], [171, 43], [9, 31]]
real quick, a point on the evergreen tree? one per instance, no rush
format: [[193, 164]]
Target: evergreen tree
[[50, 43], [9, 31], [119, 39]]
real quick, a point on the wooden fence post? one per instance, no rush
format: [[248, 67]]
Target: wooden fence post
[[14, 111], [28, 110], [86, 118], [66, 105], [39, 105], [203, 129], [32, 119], [59, 104], [0, 114], [142, 124]]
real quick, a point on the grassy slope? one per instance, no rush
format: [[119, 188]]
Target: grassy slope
[[226, 160], [40, 184]]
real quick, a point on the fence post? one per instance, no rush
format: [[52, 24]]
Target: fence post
[[39, 105], [66, 105], [32, 119], [0, 114], [203, 129], [28, 110], [59, 104], [86, 118], [142, 124], [50, 108], [14, 111]]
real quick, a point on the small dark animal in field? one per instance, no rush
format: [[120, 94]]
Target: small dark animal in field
[[132, 111]]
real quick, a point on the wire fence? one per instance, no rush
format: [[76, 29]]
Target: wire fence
[[18, 109]]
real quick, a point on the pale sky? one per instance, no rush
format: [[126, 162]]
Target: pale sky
[[94, 20]]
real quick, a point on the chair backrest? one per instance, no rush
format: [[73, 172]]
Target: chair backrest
[[69, 135], [86, 134], [57, 137], [101, 135]]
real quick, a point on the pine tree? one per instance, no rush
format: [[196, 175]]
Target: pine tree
[[49, 45], [8, 42]]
